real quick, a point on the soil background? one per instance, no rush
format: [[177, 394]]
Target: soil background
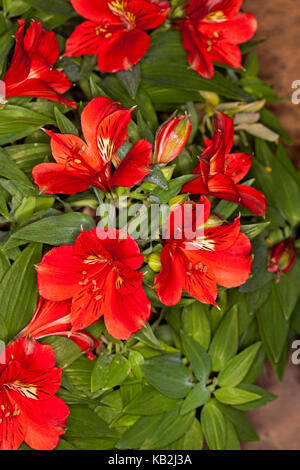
[[278, 423], [279, 21]]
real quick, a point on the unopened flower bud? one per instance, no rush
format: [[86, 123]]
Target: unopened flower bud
[[282, 257], [171, 138], [154, 262]]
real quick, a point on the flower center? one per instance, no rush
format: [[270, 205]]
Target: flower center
[[27, 390], [119, 7]]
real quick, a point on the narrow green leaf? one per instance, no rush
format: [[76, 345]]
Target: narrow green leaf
[[213, 426], [198, 357], [168, 375], [197, 397], [234, 396], [237, 368], [109, 371], [225, 341]]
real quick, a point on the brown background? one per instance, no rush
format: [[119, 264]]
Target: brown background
[[279, 20], [278, 423]]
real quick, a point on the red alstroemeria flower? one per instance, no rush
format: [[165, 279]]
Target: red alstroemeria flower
[[219, 171], [115, 31], [80, 165], [54, 319], [282, 258], [216, 254], [29, 409], [100, 276], [31, 71], [212, 30]]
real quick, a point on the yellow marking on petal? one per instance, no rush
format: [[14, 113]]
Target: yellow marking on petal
[[215, 16]]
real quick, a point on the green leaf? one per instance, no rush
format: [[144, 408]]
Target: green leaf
[[149, 402], [199, 359], [168, 375], [225, 341], [58, 7], [273, 326], [254, 230], [17, 122], [264, 397], [146, 336], [213, 426], [109, 371], [288, 290], [270, 172], [192, 440], [18, 291], [175, 186], [136, 435], [64, 124], [197, 397], [170, 427], [158, 178], [234, 396], [195, 323], [56, 230], [66, 351], [237, 368], [84, 423], [130, 79], [10, 170], [240, 422], [232, 440]]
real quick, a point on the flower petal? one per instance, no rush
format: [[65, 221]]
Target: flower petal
[[52, 178], [253, 199], [237, 165], [56, 274], [135, 166], [169, 282], [123, 50]]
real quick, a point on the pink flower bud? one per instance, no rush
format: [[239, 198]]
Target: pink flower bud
[[282, 257], [171, 138]]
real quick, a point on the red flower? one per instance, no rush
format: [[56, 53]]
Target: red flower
[[216, 253], [31, 70], [29, 411], [212, 30], [171, 138], [79, 164], [99, 274], [54, 319], [219, 171], [282, 258], [115, 31]]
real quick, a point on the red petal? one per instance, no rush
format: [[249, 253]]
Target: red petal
[[56, 274], [148, 15], [126, 314], [237, 165], [46, 422], [195, 186], [123, 50], [224, 126], [20, 62], [186, 221], [196, 47], [71, 151], [236, 30], [92, 115], [135, 166], [94, 10], [201, 286], [87, 38], [125, 250], [111, 134], [169, 282], [254, 200], [38, 41], [223, 187], [52, 178], [232, 267]]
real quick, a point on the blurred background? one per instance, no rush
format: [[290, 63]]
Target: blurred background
[[278, 423], [279, 22]]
